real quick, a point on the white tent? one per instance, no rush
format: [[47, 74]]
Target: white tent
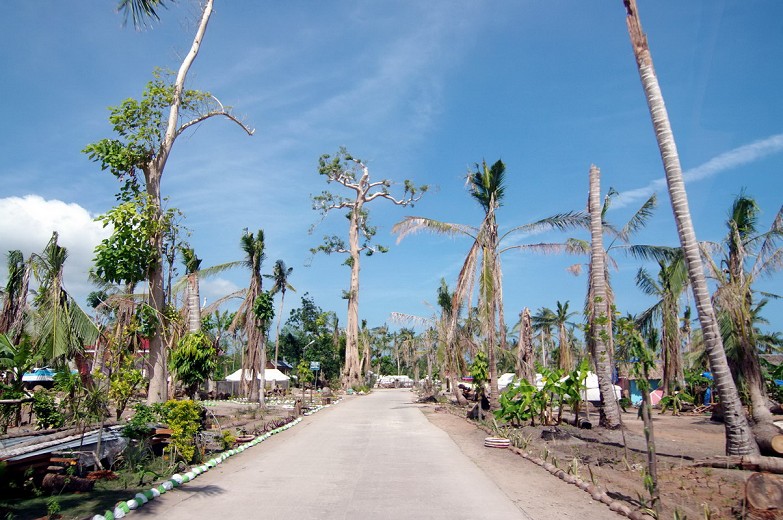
[[270, 374]]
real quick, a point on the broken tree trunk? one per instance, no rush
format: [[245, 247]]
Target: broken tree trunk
[[749, 462]]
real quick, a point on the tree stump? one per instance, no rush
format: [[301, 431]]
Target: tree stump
[[555, 434], [764, 496]]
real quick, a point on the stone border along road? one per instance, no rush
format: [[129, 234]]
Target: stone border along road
[[125, 507]]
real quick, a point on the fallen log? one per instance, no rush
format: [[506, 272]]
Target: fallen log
[[764, 496], [769, 439], [750, 462], [60, 483]]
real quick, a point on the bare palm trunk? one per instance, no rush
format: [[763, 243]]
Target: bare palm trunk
[[194, 304], [279, 320], [566, 363], [599, 330], [525, 359], [739, 439]]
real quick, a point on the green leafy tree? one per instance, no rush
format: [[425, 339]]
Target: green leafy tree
[[353, 175], [193, 360], [147, 130], [479, 371]]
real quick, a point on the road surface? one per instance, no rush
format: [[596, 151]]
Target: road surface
[[375, 457]]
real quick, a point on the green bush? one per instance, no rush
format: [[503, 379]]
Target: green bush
[[46, 413], [184, 420]]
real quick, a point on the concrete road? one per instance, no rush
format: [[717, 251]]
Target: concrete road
[[368, 457]]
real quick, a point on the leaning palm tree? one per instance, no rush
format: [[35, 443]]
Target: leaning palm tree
[[747, 255], [280, 284], [671, 283], [739, 438]]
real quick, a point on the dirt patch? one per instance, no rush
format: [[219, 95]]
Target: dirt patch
[[614, 461]]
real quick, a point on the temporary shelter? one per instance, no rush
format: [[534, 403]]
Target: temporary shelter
[[270, 374]]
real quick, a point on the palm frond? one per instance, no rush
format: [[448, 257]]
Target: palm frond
[[140, 11], [559, 221], [543, 248], [639, 219], [400, 317], [411, 225], [207, 272], [646, 283], [769, 258], [647, 252], [647, 319]]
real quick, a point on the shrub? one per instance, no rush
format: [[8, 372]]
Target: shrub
[[46, 413]]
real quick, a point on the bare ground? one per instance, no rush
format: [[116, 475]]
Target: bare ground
[[600, 456]]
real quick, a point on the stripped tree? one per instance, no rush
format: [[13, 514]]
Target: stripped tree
[[146, 141], [354, 176]]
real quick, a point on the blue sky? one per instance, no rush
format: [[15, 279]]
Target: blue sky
[[419, 90]]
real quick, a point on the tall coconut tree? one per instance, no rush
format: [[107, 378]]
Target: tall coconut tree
[[619, 239], [671, 282], [280, 284], [486, 185], [746, 255], [254, 356], [739, 438], [600, 311]]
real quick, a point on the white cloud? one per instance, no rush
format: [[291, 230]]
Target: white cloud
[[213, 289], [28, 223], [726, 161]]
